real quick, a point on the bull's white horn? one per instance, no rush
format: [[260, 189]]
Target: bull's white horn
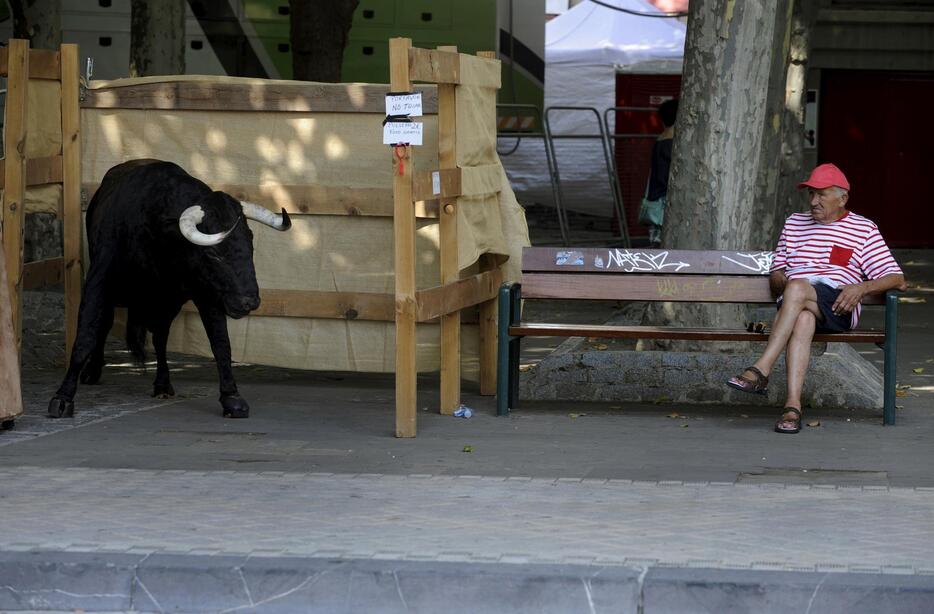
[[188, 223], [265, 216]]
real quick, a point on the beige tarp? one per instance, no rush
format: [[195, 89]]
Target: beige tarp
[[43, 138], [330, 153]]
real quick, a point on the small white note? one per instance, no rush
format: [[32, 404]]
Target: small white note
[[409, 133], [404, 104], [435, 182]]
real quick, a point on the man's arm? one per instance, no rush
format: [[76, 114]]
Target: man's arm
[[777, 282], [850, 296]]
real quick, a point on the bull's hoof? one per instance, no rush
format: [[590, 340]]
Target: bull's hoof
[[7, 425], [61, 408], [163, 391], [235, 406], [91, 374]]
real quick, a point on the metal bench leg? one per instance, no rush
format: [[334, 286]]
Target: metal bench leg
[[888, 386], [502, 351], [515, 305]]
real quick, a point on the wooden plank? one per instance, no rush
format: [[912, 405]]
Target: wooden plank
[[450, 271], [674, 288], [542, 329], [43, 273], [370, 306], [11, 397], [71, 193], [14, 179], [457, 295], [448, 182], [39, 171], [488, 314], [647, 261], [45, 64], [316, 199], [404, 254], [249, 96], [434, 66]]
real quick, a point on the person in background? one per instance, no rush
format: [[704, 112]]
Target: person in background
[[826, 261], [661, 164]]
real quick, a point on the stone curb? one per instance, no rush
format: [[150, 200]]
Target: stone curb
[[51, 580]]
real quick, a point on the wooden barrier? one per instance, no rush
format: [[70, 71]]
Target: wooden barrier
[[412, 195], [20, 64]]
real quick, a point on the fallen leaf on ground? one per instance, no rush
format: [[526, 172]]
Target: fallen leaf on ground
[[899, 407], [902, 386], [919, 370], [674, 415], [901, 393], [524, 368], [929, 360], [576, 415], [814, 423], [599, 346], [684, 426], [467, 449]]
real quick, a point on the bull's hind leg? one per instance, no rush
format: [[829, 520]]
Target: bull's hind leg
[[162, 387], [91, 373], [215, 325]]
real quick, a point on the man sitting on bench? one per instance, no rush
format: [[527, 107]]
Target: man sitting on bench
[[827, 259]]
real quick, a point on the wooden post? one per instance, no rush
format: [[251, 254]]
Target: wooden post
[[14, 191], [404, 255], [450, 270], [71, 192], [11, 399], [487, 316]]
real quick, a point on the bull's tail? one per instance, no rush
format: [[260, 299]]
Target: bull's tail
[[135, 337]]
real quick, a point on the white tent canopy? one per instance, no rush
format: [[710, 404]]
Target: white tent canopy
[[584, 50]]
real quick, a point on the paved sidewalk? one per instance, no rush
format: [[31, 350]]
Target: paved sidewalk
[[312, 505]]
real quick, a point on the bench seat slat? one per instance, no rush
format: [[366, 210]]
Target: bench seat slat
[[674, 288], [543, 329]]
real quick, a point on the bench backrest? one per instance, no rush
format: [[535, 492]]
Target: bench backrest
[[650, 275]]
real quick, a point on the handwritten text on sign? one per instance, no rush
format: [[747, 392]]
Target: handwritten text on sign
[[402, 132], [404, 104]]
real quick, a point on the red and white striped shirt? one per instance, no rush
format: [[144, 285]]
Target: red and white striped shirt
[[840, 253]]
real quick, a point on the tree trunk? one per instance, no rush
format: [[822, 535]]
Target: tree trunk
[[788, 197], [318, 33], [38, 21], [157, 37], [727, 140]]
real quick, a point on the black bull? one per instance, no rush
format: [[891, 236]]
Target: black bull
[[158, 238]]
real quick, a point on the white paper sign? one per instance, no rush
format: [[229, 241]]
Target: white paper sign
[[404, 104], [435, 182], [402, 132]]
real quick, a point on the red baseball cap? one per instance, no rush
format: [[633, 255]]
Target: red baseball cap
[[825, 176]]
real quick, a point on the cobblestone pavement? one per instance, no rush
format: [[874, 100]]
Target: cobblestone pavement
[[462, 518]]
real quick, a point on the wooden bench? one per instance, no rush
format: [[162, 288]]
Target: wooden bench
[[653, 275]]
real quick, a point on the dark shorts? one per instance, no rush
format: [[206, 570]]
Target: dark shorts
[[829, 322]]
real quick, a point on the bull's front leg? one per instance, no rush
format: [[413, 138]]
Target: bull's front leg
[[91, 322], [215, 325]]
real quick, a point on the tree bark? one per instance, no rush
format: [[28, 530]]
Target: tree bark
[[788, 197], [157, 37], [727, 140], [318, 32], [38, 21]]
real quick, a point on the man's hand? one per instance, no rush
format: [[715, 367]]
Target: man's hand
[[777, 282], [849, 297]]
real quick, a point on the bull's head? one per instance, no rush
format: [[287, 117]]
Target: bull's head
[[192, 216], [223, 269]]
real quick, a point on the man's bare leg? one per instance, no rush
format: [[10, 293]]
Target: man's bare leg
[[797, 355], [799, 296]]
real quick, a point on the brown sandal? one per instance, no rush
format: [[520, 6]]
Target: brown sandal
[[795, 422], [760, 385]]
